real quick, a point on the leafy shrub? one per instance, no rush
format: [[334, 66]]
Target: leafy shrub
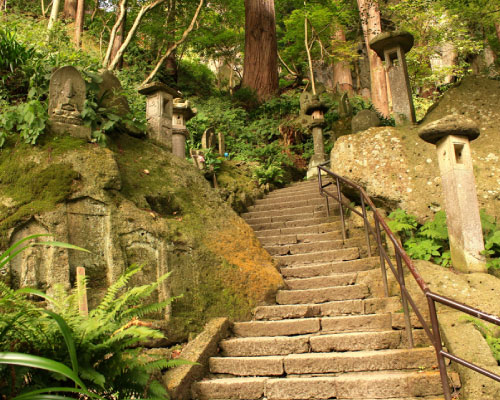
[[104, 347], [430, 241], [195, 78], [27, 119]]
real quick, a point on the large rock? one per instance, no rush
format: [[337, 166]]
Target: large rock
[[400, 170], [132, 203], [364, 120]]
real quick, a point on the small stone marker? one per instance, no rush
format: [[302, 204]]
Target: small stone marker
[[222, 144], [110, 94], [182, 112], [66, 98], [391, 48], [451, 135], [316, 109], [345, 109], [83, 306], [363, 120], [208, 139], [159, 111]]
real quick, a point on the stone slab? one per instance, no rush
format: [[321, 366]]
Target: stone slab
[[247, 366], [322, 295], [321, 281], [277, 328], [376, 322], [264, 346], [322, 256], [229, 388], [356, 341]]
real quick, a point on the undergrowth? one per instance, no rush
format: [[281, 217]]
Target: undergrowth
[[430, 241]]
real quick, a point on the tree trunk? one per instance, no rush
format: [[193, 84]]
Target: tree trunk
[[342, 77], [80, 16], [69, 11], [171, 61], [370, 21], [120, 36], [53, 14], [497, 29], [260, 68]]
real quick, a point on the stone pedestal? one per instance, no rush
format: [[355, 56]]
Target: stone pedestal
[[451, 135], [391, 48], [182, 112], [159, 112], [316, 109]]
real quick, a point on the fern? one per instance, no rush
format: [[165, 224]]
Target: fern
[[402, 223], [435, 229]]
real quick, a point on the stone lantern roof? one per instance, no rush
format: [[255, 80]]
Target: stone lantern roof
[[389, 40], [154, 87], [456, 125], [184, 108], [315, 104]]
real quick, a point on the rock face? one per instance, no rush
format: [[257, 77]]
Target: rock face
[[398, 169], [133, 202], [363, 120]]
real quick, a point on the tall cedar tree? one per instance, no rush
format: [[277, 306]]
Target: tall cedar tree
[[370, 21], [341, 72], [260, 68], [69, 12], [79, 20], [120, 36]]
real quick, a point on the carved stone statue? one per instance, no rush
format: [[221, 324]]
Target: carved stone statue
[[66, 98]]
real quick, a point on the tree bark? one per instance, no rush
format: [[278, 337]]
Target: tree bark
[[69, 11], [260, 68], [171, 61], [370, 21], [53, 14], [342, 77], [80, 16], [120, 36], [497, 29]]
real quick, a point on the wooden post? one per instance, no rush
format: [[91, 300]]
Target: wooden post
[[81, 289]]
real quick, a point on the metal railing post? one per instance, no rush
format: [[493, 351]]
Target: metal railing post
[[365, 220], [406, 310], [339, 197], [438, 347], [382, 259], [320, 182]]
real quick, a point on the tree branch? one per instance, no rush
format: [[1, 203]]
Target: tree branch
[[174, 45], [294, 73], [144, 9], [118, 22]]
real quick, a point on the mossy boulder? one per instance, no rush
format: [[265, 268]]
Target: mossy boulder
[[132, 202]]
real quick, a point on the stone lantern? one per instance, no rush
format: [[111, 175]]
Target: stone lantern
[[391, 47], [182, 112], [452, 135], [159, 111], [316, 109]]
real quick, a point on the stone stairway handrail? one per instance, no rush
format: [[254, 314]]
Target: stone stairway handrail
[[401, 256]]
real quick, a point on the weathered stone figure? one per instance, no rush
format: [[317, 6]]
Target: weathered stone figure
[[451, 135], [208, 139], [66, 98], [182, 112], [159, 111], [391, 48]]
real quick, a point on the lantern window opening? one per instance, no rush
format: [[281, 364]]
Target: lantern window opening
[[459, 148]]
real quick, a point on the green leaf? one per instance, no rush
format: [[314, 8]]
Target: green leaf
[[28, 360]]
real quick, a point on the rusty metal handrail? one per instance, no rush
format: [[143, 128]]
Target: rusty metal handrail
[[401, 256]]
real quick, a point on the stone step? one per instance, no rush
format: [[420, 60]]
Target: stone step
[[292, 190], [377, 385], [263, 206], [299, 210], [334, 308], [302, 326], [289, 199], [305, 222], [321, 256], [322, 295], [325, 363], [357, 323], [302, 248], [339, 342], [325, 227], [300, 238], [321, 281], [286, 218], [277, 328], [324, 269]]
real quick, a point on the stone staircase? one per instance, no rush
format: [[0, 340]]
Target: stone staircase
[[326, 337]]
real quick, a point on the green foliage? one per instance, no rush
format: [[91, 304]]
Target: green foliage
[[491, 233], [13, 54], [489, 335], [26, 119], [430, 241], [104, 349]]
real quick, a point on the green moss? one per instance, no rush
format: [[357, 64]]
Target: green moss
[[28, 187]]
